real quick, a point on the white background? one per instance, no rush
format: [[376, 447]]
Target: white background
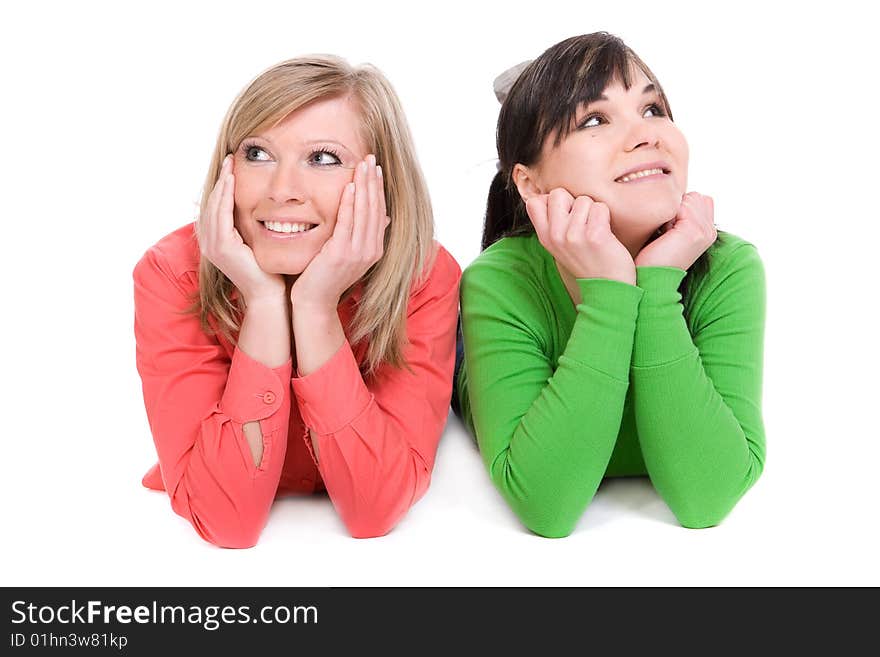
[[109, 116]]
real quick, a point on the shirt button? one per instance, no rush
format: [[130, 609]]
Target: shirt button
[[269, 397]]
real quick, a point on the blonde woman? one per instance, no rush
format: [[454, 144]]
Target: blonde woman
[[300, 336]]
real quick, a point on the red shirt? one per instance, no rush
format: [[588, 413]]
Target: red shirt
[[377, 441]]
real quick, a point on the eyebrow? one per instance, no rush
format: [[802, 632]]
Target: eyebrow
[[327, 141], [650, 88], [308, 142]]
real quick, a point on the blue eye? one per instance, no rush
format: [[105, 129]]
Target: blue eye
[[324, 158], [252, 151]]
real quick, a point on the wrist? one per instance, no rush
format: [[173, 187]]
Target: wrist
[[314, 309], [320, 303], [623, 275], [264, 298], [647, 262]]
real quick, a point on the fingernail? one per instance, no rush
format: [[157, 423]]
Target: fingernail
[[349, 188], [363, 166], [372, 159], [379, 170]]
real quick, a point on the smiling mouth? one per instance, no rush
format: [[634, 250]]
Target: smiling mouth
[[642, 174], [284, 227]]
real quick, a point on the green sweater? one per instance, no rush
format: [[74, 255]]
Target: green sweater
[[559, 397]]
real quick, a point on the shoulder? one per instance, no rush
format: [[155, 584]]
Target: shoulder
[[728, 245], [441, 272], [514, 272], [732, 254], [517, 252], [735, 278], [441, 265], [175, 257], [508, 261]]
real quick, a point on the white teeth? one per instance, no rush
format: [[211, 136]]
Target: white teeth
[[640, 174], [284, 227]]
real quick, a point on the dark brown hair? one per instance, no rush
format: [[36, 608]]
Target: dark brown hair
[[541, 104]]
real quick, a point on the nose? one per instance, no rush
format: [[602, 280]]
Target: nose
[[287, 184], [641, 133]]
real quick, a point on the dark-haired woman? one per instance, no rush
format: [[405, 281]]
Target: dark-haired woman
[[609, 329]]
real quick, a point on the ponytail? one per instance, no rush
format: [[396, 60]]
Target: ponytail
[[505, 213]]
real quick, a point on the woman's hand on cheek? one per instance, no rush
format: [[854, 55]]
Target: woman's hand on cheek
[[221, 243], [687, 236], [577, 233], [356, 245]]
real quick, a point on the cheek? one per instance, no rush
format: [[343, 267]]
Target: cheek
[[245, 195], [581, 173], [326, 198], [681, 155]]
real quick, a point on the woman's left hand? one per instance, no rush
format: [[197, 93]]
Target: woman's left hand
[[357, 242], [687, 235]]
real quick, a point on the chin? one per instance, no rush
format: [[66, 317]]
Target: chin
[[650, 216], [289, 264]]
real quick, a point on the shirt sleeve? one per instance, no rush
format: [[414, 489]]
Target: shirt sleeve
[[377, 441], [697, 400], [197, 400], [546, 430]]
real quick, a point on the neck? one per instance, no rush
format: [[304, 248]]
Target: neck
[[634, 239]]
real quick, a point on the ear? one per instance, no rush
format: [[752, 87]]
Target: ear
[[526, 181]]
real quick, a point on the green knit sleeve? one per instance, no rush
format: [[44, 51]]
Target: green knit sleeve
[[697, 396], [546, 430]]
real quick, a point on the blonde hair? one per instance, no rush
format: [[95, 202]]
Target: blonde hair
[[265, 102]]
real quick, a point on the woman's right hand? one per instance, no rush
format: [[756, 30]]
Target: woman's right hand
[[221, 243], [577, 233]]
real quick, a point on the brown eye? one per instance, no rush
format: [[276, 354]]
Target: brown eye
[[592, 121]]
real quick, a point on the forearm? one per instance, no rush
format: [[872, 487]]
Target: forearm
[[374, 467], [226, 499], [547, 437], [696, 452], [377, 444], [701, 457], [318, 335], [265, 337], [197, 417], [197, 401], [560, 450], [265, 333]]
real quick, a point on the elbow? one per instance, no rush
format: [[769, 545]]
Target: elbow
[[238, 534], [379, 516], [549, 514], [546, 516], [548, 525], [374, 509], [226, 530], [552, 532], [699, 522], [370, 525], [701, 515], [702, 509]]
